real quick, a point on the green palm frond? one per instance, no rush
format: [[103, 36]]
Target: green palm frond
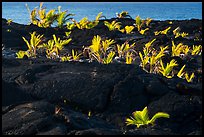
[[106, 44], [166, 71], [143, 31], [189, 78], [113, 25], [141, 118], [181, 73], [95, 47], [20, 54], [75, 55], [148, 21], [33, 43], [129, 29], [129, 58], [109, 58], [196, 50]]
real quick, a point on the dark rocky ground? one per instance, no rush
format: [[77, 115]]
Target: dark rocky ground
[[33, 89]]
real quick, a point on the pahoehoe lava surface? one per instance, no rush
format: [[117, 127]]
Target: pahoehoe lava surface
[[34, 89]]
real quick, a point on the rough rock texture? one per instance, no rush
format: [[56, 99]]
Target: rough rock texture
[[47, 97], [109, 92]]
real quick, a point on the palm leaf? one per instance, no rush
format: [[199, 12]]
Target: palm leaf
[[20, 54], [144, 114], [189, 79], [107, 43], [29, 46], [96, 43], [158, 115], [109, 58], [181, 73], [138, 117], [138, 20], [129, 29], [148, 20], [143, 31], [98, 16], [166, 30], [148, 44]]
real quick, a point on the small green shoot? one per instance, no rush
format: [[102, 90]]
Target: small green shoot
[[113, 25], [143, 31], [20, 54], [166, 71], [196, 50], [89, 114], [124, 48], [127, 29], [139, 22], [163, 31], [75, 56], [148, 21], [180, 74], [33, 44], [141, 118], [40, 18], [123, 14], [189, 78], [109, 58], [62, 17], [9, 21], [144, 60], [129, 58], [70, 26]]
